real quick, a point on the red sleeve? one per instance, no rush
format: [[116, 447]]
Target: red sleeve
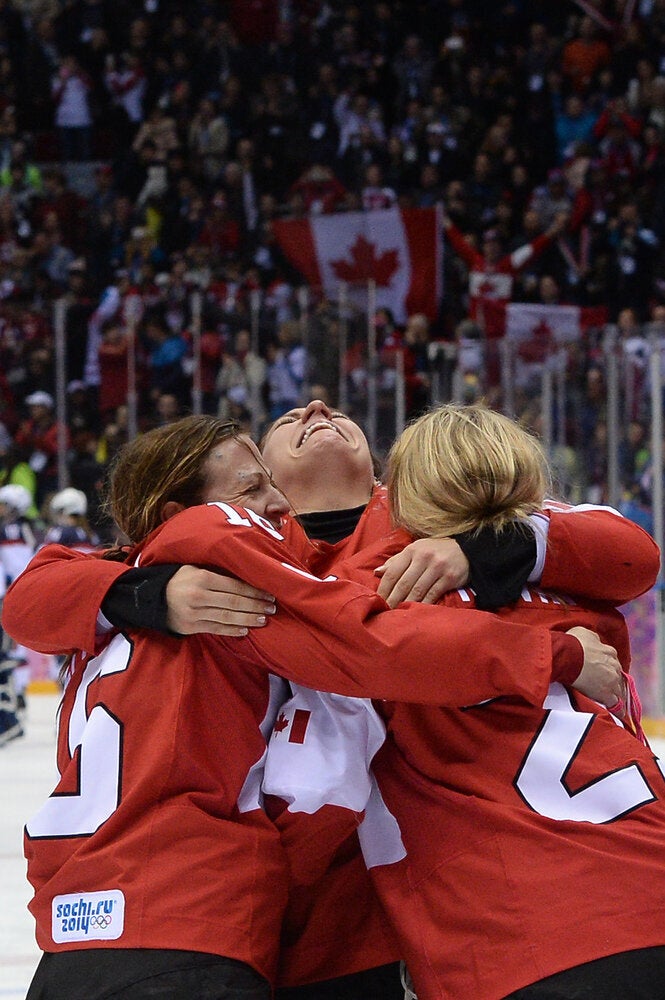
[[600, 555], [567, 658], [520, 258], [335, 635], [52, 606], [462, 247]]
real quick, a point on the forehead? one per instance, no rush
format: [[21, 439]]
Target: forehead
[[233, 461]]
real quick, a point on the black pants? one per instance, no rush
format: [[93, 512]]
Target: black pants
[[144, 974], [631, 975], [382, 983]]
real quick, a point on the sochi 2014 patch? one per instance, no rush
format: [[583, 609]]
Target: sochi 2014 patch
[[88, 916]]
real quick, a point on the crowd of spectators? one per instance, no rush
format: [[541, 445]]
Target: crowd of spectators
[[146, 149]]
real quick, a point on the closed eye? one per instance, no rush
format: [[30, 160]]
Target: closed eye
[[284, 420]]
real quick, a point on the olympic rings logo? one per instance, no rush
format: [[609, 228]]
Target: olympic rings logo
[[101, 920]]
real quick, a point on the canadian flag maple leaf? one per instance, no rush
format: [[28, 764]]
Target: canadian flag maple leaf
[[538, 346], [281, 723], [366, 264]]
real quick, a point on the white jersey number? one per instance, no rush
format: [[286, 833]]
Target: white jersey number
[[98, 738], [542, 778]]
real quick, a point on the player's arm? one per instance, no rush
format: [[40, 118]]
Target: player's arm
[[496, 566], [54, 606], [597, 553], [586, 551], [184, 600], [339, 636]]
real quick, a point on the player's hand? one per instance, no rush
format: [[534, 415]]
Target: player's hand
[[200, 600], [601, 677], [423, 571]]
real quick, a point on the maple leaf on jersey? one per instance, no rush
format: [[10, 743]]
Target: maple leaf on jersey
[[281, 723], [365, 264]]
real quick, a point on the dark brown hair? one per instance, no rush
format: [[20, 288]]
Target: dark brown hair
[[161, 465]]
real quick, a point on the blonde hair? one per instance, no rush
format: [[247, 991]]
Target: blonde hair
[[460, 468], [161, 465]]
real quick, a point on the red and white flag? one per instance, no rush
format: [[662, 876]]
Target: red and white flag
[[400, 250], [549, 325]]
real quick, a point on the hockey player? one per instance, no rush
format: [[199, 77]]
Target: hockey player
[[501, 837], [17, 540], [17, 547], [10, 724], [68, 509], [142, 795]]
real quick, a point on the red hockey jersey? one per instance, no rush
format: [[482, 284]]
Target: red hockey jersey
[[506, 842], [534, 838]]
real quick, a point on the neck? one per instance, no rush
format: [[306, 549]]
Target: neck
[[337, 497], [331, 525]]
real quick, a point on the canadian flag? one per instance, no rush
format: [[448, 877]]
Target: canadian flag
[[401, 250], [547, 325]]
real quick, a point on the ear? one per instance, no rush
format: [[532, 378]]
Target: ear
[[170, 509]]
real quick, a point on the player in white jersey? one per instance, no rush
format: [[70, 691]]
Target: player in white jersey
[[17, 547], [17, 541], [68, 513]]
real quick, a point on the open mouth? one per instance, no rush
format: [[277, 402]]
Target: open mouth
[[320, 425]]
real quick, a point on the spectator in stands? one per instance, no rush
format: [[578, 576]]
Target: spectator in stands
[[635, 248], [112, 368], [491, 270], [71, 89], [552, 200], [127, 84], [573, 124], [241, 379], [79, 309], [317, 191], [38, 436], [167, 408], [633, 456], [208, 141], [221, 233], [594, 404], [159, 129], [82, 410], [413, 67], [417, 364], [375, 194], [17, 160], [584, 55], [166, 351], [352, 112], [68, 207], [286, 372], [618, 135]]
